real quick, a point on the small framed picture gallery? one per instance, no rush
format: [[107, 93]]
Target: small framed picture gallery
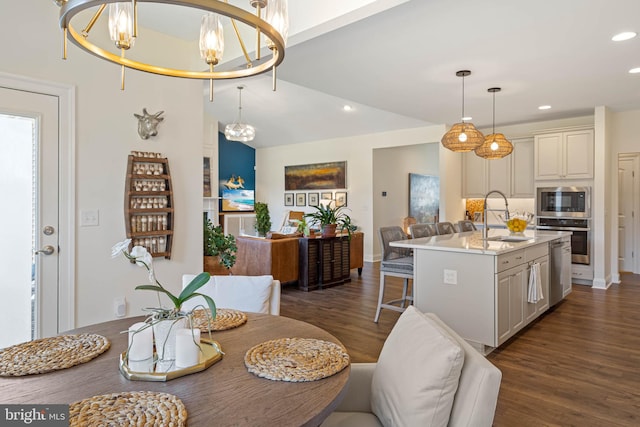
[[314, 199], [341, 198], [288, 199], [301, 199]]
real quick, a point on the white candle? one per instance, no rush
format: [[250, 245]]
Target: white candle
[[187, 350], [140, 342]]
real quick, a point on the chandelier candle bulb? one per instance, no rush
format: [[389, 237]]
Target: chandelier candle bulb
[[187, 349], [140, 342]]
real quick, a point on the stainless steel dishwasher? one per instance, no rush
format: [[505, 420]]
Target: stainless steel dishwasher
[[560, 275]]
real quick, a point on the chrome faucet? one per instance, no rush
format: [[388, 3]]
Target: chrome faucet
[[485, 229]]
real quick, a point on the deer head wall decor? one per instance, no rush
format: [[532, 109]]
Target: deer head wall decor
[[148, 123]]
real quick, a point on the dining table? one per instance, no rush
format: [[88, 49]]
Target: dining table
[[225, 394]]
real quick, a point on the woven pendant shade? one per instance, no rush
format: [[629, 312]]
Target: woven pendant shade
[[495, 146], [474, 138]]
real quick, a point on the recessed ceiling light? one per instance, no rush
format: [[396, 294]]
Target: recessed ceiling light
[[544, 107], [623, 36], [634, 70], [467, 119], [347, 108]]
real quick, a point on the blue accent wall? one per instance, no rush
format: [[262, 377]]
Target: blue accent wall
[[235, 158]]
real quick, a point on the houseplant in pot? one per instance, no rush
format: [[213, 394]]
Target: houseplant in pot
[[219, 250], [263, 219], [331, 219], [165, 321]]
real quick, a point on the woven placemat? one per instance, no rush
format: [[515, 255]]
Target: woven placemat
[[296, 359], [133, 408], [50, 354], [226, 318]]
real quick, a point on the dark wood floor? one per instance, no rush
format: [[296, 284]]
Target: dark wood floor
[[577, 365]]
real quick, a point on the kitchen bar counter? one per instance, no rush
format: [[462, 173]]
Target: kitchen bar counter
[[480, 288], [471, 241]]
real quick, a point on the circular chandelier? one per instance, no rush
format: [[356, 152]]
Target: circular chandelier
[[123, 30]]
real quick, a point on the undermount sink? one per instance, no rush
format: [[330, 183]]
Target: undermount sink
[[509, 238]]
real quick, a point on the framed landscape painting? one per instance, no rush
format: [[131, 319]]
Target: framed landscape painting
[[318, 176]]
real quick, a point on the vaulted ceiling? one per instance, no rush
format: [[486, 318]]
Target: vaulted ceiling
[[394, 62]]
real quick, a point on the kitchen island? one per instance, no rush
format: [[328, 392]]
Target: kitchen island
[[480, 287]]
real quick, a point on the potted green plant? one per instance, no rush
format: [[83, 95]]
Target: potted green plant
[[219, 249], [263, 220], [165, 320], [331, 219]]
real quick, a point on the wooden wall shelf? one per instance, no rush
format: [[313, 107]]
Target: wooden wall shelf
[[148, 203]]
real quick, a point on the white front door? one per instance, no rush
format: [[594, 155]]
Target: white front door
[[29, 235]]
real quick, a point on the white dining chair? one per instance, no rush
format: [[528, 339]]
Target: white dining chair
[[256, 294]]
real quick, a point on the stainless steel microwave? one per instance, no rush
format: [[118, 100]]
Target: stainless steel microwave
[[564, 202]]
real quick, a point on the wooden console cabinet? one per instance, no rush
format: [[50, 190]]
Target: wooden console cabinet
[[324, 262]]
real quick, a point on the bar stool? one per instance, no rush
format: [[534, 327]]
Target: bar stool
[[396, 262], [445, 228]]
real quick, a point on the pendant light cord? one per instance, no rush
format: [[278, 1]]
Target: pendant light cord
[[494, 113], [463, 98]]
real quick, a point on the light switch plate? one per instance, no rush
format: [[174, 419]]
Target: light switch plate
[[90, 218]]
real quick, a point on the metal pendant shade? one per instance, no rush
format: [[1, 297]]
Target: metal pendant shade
[[238, 131], [463, 136], [495, 146]]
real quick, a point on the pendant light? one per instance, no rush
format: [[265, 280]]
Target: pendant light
[[495, 146], [239, 131], [462, 136]]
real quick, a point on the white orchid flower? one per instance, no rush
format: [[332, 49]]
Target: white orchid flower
[[120, 247], [143, 258]]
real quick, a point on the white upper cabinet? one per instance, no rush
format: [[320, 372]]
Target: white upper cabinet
[[522, 168], [564, 155], [513, 175], [474, 175]]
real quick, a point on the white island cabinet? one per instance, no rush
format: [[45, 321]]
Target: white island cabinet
[[480, 287]]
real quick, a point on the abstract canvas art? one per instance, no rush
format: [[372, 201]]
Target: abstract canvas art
[[424, 197]]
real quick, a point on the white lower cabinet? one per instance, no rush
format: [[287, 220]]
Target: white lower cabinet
[[513, 311], [533, 310], [510, 293]]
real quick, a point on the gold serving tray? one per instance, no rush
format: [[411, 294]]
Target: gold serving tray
[[155, 370]]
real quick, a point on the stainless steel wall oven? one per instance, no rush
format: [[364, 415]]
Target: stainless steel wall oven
[[580, 239], [567, 209]]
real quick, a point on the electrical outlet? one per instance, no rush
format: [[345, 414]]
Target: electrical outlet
[[450, 277], [120, 306]]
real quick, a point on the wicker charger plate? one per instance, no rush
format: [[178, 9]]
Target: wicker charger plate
[[51, 354], [133, 408], [296, 359], [226, 318]]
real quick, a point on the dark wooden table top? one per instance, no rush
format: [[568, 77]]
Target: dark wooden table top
[[226, 394]]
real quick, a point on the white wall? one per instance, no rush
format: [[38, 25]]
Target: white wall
[[357, 151], [105, 135], [391, 169], [623, 138]]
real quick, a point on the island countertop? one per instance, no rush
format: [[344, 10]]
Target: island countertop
[[472, 242]]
